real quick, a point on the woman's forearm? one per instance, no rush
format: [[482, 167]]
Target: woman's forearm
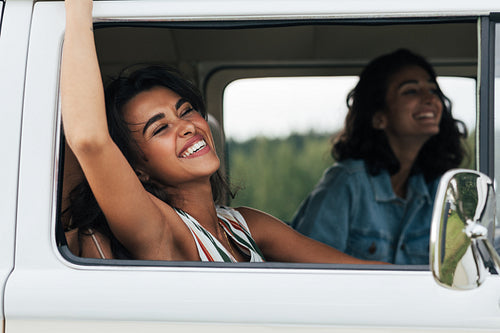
[[82, 93]]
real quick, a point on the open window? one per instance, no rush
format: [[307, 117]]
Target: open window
[[311, 64]]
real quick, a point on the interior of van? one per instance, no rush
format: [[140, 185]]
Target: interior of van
[[249, 70]]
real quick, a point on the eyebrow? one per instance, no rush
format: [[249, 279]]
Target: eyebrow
[[181, 102], [413, 82]]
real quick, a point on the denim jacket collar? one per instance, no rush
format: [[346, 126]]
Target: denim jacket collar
[[382, 188]]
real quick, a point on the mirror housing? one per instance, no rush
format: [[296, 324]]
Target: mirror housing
[[463, 222]]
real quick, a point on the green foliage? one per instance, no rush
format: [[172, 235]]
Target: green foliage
[[469, 161], [275, 175], [457, 244]]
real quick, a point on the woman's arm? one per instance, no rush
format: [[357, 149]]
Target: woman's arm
[[82, 93], [279, 242], [134, 216]]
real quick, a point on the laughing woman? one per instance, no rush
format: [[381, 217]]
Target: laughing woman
[[399, 137], [148, 157]]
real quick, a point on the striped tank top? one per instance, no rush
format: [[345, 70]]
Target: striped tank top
[[235, 226]]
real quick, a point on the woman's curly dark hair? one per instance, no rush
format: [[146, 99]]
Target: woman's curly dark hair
[[83, 209], [360, 140]]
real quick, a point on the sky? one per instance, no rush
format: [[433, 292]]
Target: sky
[[277, 107]]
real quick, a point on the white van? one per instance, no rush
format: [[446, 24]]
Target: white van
[[46, 288]]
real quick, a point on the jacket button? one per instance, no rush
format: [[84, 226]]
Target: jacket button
[[403, 247], [373, 248]]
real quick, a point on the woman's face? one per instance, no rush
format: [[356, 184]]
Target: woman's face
[[413, 108], [174, 139]]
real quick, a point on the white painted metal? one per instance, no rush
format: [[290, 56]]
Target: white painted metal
[[263, 9], [133, 327], [14, 33]]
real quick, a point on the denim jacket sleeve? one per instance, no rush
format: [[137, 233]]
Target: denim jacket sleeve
[[360, 215], [325, 213]]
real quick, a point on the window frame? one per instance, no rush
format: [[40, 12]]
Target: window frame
[[210, 74]]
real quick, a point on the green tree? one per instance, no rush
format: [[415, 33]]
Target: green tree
[[275, 175]]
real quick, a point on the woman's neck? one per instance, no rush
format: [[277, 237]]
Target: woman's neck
[[406, 154], [399, 183], [196, 199]]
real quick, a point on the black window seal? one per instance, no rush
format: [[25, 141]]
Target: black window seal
[[270, 23], [486, 79], [67, 254], [2, 8]]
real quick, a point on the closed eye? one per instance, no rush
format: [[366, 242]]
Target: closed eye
[[187, 111], [183, 107], [159, 129], [409, 91]]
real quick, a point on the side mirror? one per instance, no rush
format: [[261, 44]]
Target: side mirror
[[463, 221]]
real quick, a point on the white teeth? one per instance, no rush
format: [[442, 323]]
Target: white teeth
[[425, 115], [194, 148]]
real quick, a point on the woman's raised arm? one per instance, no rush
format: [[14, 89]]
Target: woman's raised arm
[[133, 214], [82, 93]]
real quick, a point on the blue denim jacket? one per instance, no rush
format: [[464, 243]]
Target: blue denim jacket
[[360, 214]]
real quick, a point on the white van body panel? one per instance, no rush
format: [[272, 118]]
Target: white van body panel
[[262, 9], [47, 293], [14, 33]]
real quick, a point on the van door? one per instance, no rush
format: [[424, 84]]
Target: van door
[[14, 29], [49, 291]]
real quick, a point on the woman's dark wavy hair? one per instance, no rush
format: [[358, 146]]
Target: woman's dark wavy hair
[[84, 211], [360, 140]]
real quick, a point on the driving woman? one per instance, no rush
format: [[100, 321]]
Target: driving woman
[[399, 137], [148, 157]]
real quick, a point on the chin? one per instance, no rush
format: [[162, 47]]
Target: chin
[[431, 130], [213, 167], [431, 135], [434, 132]]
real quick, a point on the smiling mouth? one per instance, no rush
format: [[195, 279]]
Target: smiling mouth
[[197, 146], [424, 115]]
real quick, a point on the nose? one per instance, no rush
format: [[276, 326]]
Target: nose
[[429, 96], [185, 128]]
